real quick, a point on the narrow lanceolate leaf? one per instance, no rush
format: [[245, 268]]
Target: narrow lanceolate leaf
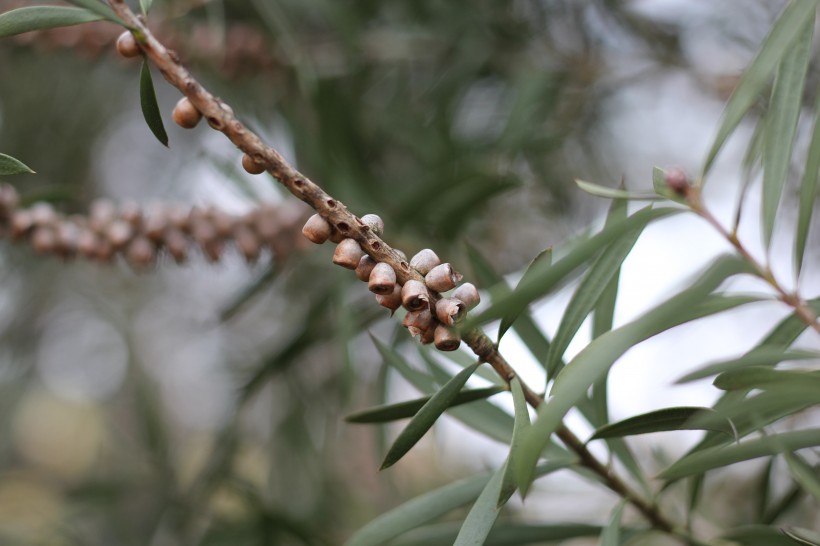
[[427, 415], [591, 363], [482, 515], [542, 260], [679, 418], [522, 423], [758, 535], [803, 537], [781, 122], [808, 191], [145, 6], [404, 410], [760, 356], [546, 277], [777, 44], [99, 8], [586, 296], [804, 474], [9, 165], [20, 20], [615, 193], [611, 535], [716, 457], [503, 534], [150, 108], [758, 377]]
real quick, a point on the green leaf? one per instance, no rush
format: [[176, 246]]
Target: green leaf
[[20, 20], [503, 534], [586, 368], [586, 296], [145, 6], [678, 418], [615, 193], [715, 457], [781, 121], [543, 259], [427, 416], [482, 515], [777, 44], [522, 423], [9, 165], [758, 535], [611, 535], [403, 410], [759, 356], [99, 8], [804, 474], [802, 536], [546, 277], [808, 192], [150, 108], [758, 377]]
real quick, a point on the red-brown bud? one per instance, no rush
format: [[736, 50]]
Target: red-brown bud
[[317, 229], [252, 166], [442, 278], [348, 254], [677, 181], [446, 338], [450, 310], [467, 293], [414, 296], [382, 279], [127, 45], [140, 252], [185, 114]]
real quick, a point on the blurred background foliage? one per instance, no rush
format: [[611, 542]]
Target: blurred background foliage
[[202, 404]]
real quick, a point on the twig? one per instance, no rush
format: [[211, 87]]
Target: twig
[[220, 116]]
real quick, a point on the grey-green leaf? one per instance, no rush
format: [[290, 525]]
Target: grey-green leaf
[[611, 535], [404, 410], [150, 108], [716, 457], [522, 423], [808, 191], [10, 165], [776, 45], [803, 537], [781, 122], [804, 474], [145, 6], [427, 416], [503, 534], [20, 20], [542, 260], [758, 535], [759, 377], [759, 356], [615, 193], [482, 515], [101, 9], [678, 418]]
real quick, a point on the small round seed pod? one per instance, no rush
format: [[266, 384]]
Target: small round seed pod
[[247, 243], [178, 217], [104, 251], [467, 293], [450, 310], [156, 222], [20, 223], [429, 335], [43, 240], [185, 114], [177, 244], [68, 235], [43, 214], [203, 232], [374, 222], [414, 296], [418, 322], [348, 254], [131, 212], [446, 338], [251, 165], [392, 301], [424, 261], [87, 242], [213, 250], [9, 200], [382, 279], [119, 233], [442, 278], [102, 213], [127, 45], [141, 252], [365, 267], [317, 229]]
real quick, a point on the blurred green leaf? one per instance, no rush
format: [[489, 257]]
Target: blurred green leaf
[[802, 536], [601, 353], [31, 18], [99, 8], [9, 165], [150, 108], [403, 410], [611, 535], [759, 356], [615, 193], [661, 186], [808, 192], [543, 259], [427, 416], [678, 418], [758, 377], [522, 423], [758, 535], [716, 457], [503, 534], [481, 517], [804, 474], [145, 6], [546, 277], [777, 44], [781, 121]]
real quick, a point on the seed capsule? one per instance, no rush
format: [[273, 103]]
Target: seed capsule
[[9, 200], [87, 242], [155, 224], [424, 261], [382, 279], [414, 296], [250, 165], [348, 254], [450, 310], [365, 267], [317, 229], [374, 222], [467, 293], [127, 45], [248, 243], [446, 338], [119, 233], [391, 301], [185, 114], [43, 214], [418, 322], [177, 245], [103, 212], [429, 335], [140, 252], [442, 278], [20, 223], [43, 240]]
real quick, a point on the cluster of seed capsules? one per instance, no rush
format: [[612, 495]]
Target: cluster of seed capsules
[[429, 316], [142, 236]]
